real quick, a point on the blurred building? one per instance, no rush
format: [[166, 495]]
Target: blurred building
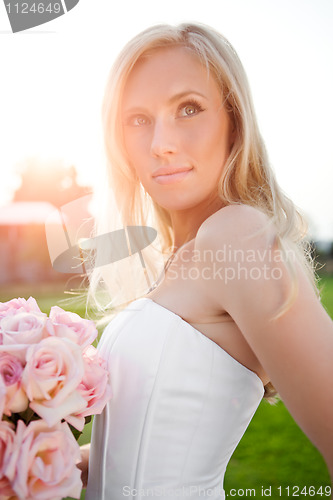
[[24, 254]]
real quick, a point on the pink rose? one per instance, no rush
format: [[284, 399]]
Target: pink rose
[[7, 436], [21, 330], [71, 326], [11, 370], [43, 463], [50, 378], [3, 392], [94, 387], [15, 306]]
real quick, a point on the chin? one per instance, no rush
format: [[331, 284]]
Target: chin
[[177, 203]]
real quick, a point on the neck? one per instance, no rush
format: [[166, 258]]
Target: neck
[[186, 223]]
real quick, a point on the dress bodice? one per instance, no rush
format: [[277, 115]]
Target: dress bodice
[[180, 406]]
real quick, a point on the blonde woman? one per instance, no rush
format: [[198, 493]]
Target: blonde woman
[[235, 313]]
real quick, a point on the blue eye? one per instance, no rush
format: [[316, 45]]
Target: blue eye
[[137, 121], [190, 108]]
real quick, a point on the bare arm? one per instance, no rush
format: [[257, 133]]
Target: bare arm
[[296, 350]]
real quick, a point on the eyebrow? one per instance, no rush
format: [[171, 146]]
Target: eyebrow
[[172, 100], [180, 95]]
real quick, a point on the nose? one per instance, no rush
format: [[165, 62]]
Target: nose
[[164, 140]]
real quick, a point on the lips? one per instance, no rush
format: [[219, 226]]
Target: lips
[[171, 174], [170, 170]]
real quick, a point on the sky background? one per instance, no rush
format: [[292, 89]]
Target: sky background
[[53, 77]]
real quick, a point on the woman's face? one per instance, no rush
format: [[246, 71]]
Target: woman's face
[[177, 133]]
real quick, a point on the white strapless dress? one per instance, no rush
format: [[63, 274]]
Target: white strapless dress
[[180, 406]]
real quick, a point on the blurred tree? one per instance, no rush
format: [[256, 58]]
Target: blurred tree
[[50, 181]]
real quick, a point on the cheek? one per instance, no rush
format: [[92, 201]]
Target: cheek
[[212, 145], [129, 146], [137, 147], [138, 160]]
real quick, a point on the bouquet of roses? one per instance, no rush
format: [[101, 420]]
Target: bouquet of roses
[[51, 381]]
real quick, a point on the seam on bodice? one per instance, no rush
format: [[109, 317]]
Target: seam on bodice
[[199, 416], [144, 442]]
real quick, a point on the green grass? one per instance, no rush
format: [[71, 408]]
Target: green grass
[[326, 287], [273, 452]]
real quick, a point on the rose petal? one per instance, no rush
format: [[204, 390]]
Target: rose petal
[[53, 413]]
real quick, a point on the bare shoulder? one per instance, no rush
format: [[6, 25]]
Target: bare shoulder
[[240, 225], [238, 250]]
